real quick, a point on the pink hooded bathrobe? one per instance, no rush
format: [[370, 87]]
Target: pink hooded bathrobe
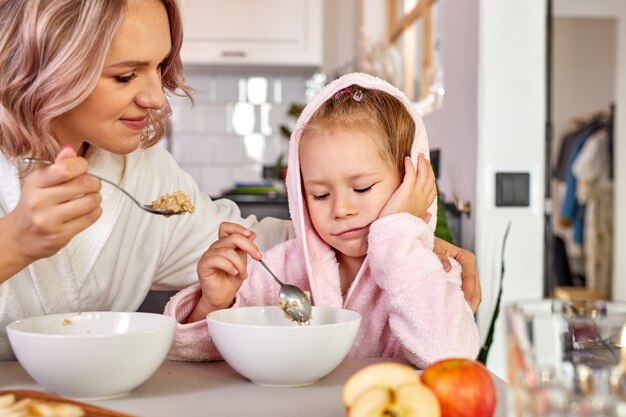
[[411, 308]]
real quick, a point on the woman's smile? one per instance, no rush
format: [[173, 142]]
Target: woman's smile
[[135, 123]]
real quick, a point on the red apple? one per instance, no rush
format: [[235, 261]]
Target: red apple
[[463, 387]]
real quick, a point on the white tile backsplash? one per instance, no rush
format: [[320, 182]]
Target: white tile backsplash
[[201, 118], [216, 180], [278, 116], [203, 140], [293, 89], [195, 150], [244, 174], [229, 151], [202, 82], [195, 172], [227, 88]]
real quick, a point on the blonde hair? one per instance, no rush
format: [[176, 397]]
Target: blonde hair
[[51, 56], [374, 109]]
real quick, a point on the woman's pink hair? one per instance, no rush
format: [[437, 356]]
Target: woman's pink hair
[[51, 56]]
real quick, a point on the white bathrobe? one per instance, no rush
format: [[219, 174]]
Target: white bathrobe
[[112, 265]]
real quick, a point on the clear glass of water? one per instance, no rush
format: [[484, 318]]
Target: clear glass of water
[[567, 358]]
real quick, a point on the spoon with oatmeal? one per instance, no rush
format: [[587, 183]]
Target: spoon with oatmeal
[[295, 303], [167, 205]]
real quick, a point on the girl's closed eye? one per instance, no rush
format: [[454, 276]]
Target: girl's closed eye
[[320, 196], [124, 79], [363, 190]]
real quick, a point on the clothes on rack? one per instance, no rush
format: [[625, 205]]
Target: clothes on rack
[[563, 276], [575, 136], [595, 193], [582, 178], [572, 212]]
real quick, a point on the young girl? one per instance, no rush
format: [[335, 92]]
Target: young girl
[[364, 218]]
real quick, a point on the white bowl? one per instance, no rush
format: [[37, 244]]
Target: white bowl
[[267, 348], [92, 355]]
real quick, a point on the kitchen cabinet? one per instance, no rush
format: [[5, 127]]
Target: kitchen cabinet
[[252, 32]]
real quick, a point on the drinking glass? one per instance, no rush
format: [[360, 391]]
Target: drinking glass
[[566, 358]]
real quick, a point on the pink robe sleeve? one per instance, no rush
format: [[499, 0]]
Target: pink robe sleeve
[[192, 341], [427, 310]]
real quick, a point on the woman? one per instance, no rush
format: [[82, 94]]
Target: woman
[[83, 83]]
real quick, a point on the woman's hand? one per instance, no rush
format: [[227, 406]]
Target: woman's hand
[[223, 267], [469, 273], [57, 202], [416, 193]]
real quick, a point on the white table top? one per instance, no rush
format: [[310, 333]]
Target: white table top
[[185, 389]]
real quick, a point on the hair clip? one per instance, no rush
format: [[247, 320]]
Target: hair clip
[[357, 96], [341, 93]]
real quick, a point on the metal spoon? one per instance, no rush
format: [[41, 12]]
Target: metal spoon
[[295, 303], [146, 207]]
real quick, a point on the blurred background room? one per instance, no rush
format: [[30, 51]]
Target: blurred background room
[[521, 100]]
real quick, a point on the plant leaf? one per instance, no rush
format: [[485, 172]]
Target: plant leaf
[[484, 350]]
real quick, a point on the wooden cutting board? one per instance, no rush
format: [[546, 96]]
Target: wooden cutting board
[[90, 410]]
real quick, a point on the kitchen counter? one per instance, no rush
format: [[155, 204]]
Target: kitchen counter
[[186, 389], [273, 198], [261, 205]]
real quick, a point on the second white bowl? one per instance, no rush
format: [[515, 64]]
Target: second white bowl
[[269, 349]]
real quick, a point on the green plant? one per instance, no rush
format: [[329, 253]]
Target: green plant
[[442, 230], [294, 111], [484, 350]]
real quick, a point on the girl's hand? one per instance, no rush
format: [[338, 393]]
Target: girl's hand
[[57, 202], [222, 268], [417, 191]]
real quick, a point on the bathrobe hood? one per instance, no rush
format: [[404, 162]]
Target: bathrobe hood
[[315, 249]]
